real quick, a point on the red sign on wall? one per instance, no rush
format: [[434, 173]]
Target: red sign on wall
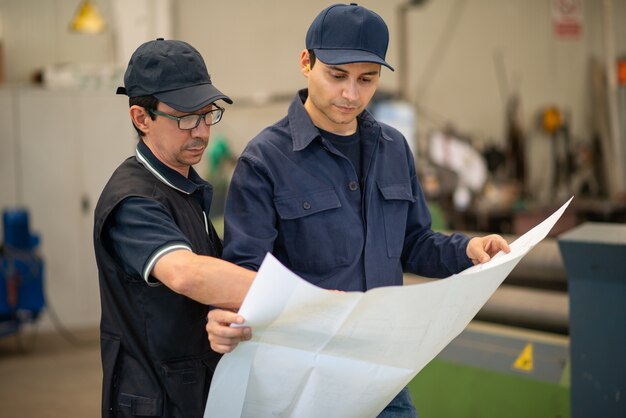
[[567, 18]]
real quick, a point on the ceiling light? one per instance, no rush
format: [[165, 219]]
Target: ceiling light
[[87, 19]]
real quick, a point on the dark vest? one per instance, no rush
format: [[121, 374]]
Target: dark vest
[[156, 357]]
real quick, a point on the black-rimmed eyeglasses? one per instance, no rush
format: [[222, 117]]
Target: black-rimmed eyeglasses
[[189, 122]]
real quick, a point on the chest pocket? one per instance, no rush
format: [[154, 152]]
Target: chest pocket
[[396, 200], [311, 234]]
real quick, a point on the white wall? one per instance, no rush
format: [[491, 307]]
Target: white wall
[[463, 86], [252, 49], [36, 33], [8, 173], [65, 145]]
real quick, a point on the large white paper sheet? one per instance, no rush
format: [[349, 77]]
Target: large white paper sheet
[[316, 353]]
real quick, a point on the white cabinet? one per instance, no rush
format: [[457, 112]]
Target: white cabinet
[[66, 145], [8, 152]]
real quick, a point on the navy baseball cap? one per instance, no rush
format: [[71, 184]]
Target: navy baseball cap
[[173, 72], [348, 33]]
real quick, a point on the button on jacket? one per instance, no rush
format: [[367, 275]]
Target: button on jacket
[[293, 194]]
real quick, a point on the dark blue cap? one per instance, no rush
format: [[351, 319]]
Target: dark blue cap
[[348, 33], [173, 72]]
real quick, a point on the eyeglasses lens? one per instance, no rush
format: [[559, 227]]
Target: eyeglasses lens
[[192, 121]]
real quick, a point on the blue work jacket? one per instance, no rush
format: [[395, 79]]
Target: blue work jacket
[[293, 194]]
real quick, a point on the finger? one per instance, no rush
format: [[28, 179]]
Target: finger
[[223, 341], [224, 316], [504, 246], [245, 335], [222, 348], [223, 344], [496, 243], [224, 331]]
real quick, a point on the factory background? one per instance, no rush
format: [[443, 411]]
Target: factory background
[[510, 107]]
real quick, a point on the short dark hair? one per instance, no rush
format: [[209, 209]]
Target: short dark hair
[[148, 103], [311, 57]]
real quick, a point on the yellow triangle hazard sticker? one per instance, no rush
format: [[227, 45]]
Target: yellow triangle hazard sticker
[[524, 361]]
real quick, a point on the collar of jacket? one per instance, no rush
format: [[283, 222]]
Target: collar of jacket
[[303, 131], [167, 175]]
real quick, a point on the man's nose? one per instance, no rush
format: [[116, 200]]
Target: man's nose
[[351, 91], [202, 130]]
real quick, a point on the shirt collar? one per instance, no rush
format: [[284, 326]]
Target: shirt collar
[[303, 131], [167, 175]]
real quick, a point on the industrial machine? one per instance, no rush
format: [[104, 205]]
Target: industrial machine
[[594, 255], [21, 274]]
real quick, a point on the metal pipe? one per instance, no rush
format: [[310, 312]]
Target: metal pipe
[[616, 175], [542, 267], [538, 309], [529, 308]]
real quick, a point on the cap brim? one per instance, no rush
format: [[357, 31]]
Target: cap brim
[[192, 98], [348, 56]]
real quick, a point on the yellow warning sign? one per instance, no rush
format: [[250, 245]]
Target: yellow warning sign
[[524, 361]]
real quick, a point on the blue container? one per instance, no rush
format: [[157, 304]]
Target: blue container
[[21, 273], [29, 271], [5, 308], [16, 230]]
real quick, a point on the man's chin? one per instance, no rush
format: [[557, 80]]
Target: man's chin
[[193, 160]]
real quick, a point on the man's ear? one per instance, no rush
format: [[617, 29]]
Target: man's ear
[[305, 63], [140, 117]]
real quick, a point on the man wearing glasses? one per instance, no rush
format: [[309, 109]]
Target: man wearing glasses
[[156, 250]]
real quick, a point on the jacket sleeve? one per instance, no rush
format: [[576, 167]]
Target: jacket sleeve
[[250, 217], [426, 252]]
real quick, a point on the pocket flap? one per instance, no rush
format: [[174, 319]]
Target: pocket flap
[[397, 191], [307, 204]]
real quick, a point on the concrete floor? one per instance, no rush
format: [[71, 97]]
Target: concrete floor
[[48, 376]]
